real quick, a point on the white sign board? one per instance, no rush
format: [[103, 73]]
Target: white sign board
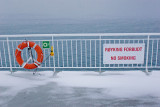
[[123, 53]]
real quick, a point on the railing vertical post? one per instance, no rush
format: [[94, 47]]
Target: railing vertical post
[[9, 54], [95, 53], [54, 53], [76, 55], [157, 53], [62, 54], [90, 55], [100, 54], [81, 53], [147, 54], [72, 52], [58, 53], [67, 51], [86, 51]]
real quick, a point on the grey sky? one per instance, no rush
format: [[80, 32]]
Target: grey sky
[[80, 9]]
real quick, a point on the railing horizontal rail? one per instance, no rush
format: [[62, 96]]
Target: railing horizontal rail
[[84, 34], [85, 39]]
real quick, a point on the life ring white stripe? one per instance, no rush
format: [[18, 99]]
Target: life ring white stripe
[[34, 45], [28, 44], [36, 64], [24, 63], [19, 49]]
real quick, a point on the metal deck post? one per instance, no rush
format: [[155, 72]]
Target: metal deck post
[[147, 54], [9, 54], [100, 55]]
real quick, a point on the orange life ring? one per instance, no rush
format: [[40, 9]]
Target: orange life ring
[[38, 50]]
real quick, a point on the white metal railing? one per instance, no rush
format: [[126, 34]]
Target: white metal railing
[[80, 51]]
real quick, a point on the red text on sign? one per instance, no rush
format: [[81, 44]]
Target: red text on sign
[[126, 57]]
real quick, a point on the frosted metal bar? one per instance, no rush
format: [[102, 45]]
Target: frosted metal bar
[[138, 42], [4, 55], [152, 52], [35, 54], [72, 53], [1, 59], [78, 39], [9, 54], [90, 54], [86, 51], [144, 43], [95, 53], [13, 55], [58, 53], [67, 51], [49, 58], [157, 52], [83, 34], [62, 54], [103, 42], [147, 54], [54, 53], [26, 54], [17, 46], [76, 55], [92, 67], [105, 64], [45, 56], [39, 43], [100, 56], [81, 53]]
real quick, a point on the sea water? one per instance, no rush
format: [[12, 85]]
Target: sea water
[[50, 26]]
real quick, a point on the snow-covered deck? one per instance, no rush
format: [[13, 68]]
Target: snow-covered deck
[[77, 89]]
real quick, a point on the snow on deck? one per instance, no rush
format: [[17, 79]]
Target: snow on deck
[[128, 84]]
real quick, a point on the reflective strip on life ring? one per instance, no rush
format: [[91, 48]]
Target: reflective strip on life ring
[[38, 51], [19, 49]]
